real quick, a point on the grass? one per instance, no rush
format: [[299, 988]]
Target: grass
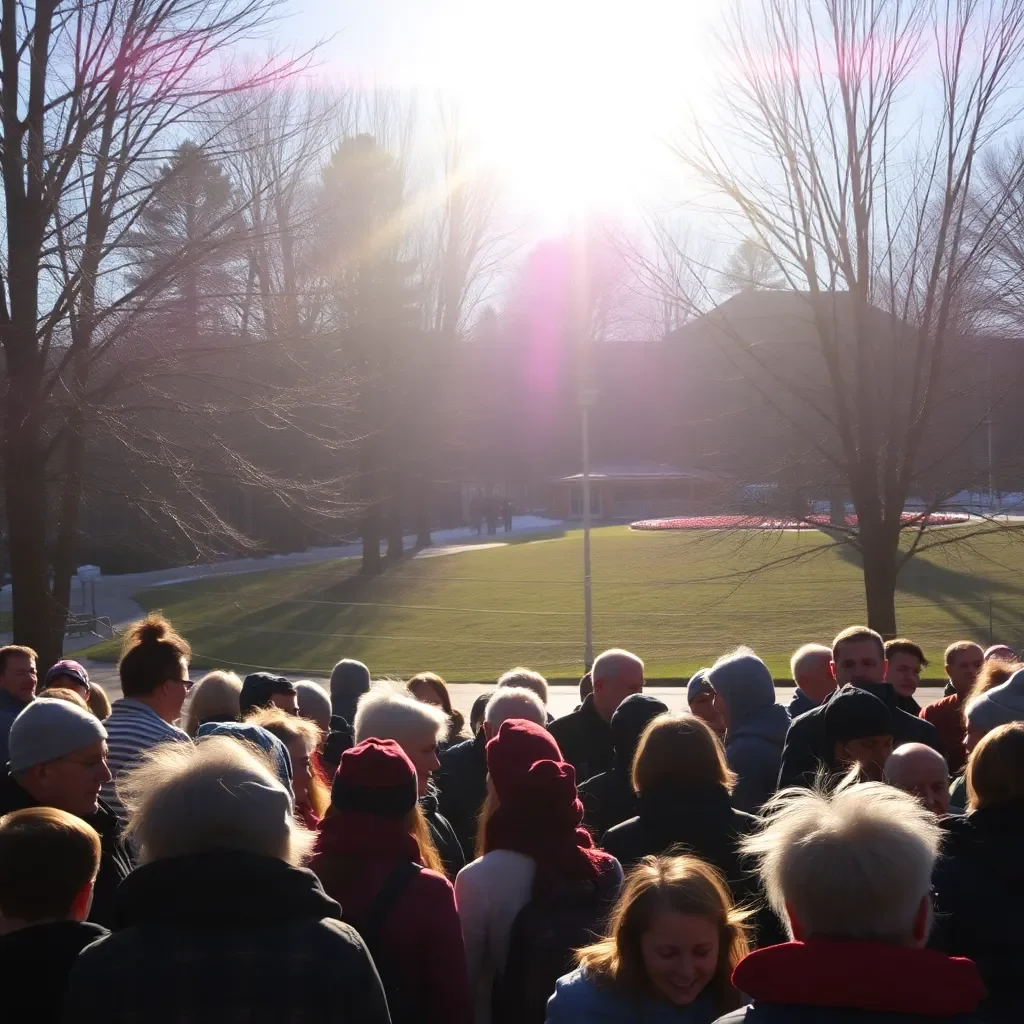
[[678, 599]]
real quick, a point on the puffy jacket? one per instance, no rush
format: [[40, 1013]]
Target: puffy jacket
[[462, 788], [585, 740], [947, 715], [579, 998]]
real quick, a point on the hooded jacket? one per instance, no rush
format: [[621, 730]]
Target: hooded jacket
[[585, 740], [225, 935], [800, 704]]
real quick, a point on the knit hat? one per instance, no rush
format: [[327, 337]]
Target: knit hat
[[743, 681], [1001, 652], [259, 737], [854, 714], [698, 686], [48, 729], [258, 688], [517, 746], [349, 681], [67, 668], [375, 777], [628, 722], [997, 706]]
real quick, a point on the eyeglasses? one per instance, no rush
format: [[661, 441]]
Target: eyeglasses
[[93, 764]]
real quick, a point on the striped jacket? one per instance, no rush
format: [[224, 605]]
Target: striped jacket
[[132, 728]]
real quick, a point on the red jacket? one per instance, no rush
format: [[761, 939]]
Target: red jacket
[[355, 853], [947, 715]]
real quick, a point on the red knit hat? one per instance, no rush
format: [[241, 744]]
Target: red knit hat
[[513, 752], [375, 777]]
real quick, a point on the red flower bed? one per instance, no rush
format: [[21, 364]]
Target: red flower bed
[[767, 523]]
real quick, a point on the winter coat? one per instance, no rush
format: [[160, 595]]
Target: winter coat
[[958, 795], [222, 936], [462, 788], [804, 753], [10, 708], [947, 715], [115, 859], [355, 855], [831, 981], [608, 800], [339, 739], [979, 901], [585, 740], [34, 967], [444, 837], [753, 748], [909, 705], [800, 704], [579, 998]]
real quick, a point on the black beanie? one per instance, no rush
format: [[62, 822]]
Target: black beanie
[[854, 714], [258, 688], [628, 722]]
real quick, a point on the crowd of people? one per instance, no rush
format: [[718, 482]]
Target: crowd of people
[[263, 849]]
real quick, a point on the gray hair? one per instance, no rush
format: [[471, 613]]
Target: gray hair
[[610, 663], [805, 657], [215, 697], [388, 715], [514, 702], [854, 864], [314, 703], [526, 678]]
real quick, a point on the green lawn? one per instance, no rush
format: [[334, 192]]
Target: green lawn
[[677, 599]]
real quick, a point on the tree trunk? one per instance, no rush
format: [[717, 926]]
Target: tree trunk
[[422, 510], [371, 565], [879, 555], [396, 518]]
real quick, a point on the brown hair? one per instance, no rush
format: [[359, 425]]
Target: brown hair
[[15, 651], [151, 655], [99, 702], [959, 647], [685, 885], [288, 728], [63, 693], [680, 750], [854, 634], [904, 646], [456, 719], [993, 673], [995, 772], [47, 857]]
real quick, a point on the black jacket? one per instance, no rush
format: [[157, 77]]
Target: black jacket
[[339, 738], [34, 967], [223, 936], [979, 901], [115, 860], [444, 837], [585, 740], [608, 800], [462, 787], [804, 752]]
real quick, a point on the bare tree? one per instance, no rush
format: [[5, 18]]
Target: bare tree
[[751, 267]]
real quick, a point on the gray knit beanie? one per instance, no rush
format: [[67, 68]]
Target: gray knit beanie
[[49, 729], [998, 706]]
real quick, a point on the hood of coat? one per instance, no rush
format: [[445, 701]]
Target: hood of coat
[[221, 889], [769, 722], [745, 684]]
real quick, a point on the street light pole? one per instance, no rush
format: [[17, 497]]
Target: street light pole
[[586, 401]]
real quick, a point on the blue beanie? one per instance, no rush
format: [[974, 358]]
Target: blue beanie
[[258, 736], [743, 681]]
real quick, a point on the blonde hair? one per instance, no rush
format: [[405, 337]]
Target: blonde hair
[[99, 702], [214, 698], [419, 829], [993, 673], [995, 771], [685, 885], [66, 694], [288, 729], [388, 715], [526, 679], [183, 799], [680, 749]]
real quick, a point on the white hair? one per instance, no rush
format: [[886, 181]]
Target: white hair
[[314, 703], [514, 702], [526, 678], [855, 864], [387, 715], [609, 664], [805, 657]]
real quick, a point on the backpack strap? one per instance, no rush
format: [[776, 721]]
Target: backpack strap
[[377, 913]]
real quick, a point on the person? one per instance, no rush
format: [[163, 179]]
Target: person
[[301, 738], [904, 661], [609, 798], [586, 687], [417, 728], [62, 693], [700, 699], [98, 701], [993, 673], [811, 669], [536, 864], [368, 859], [69, 675], [672, 942], [978, 895], [963, 661], [850, 872], [350, 679], [526, 678], [274, 751], [755, 726], [858, 658], [585, 736], [506, 514], [154, 680], [215, 698], [220, 888], [476, 712], [1000, 652], [314, 704], [921, 772], [265, 690], [48, 864], [462, 777], [17, 688], [430, 688], [858, 734], [58, 759]]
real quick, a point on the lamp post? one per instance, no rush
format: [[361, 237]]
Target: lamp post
[[587, 400]]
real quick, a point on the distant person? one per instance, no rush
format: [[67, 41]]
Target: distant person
[[700, 699], [476, 712], [811, 668], [755, 726], [69, 674], [979, 899], [851, 874], [58, 759], [609, 798], [215, 698], [155, 682], [921, 772], [858, 659], [527, 678], [904, 661], [964, 661], [430, 688], [220, 922], [506, 512], [672, 942], [586, 687], [350, 679], [17, 688], [462, 777], [265, 690], [314, 704], [858, 734], [98, 701], [48, 864], [585, 736], [369, 859]]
